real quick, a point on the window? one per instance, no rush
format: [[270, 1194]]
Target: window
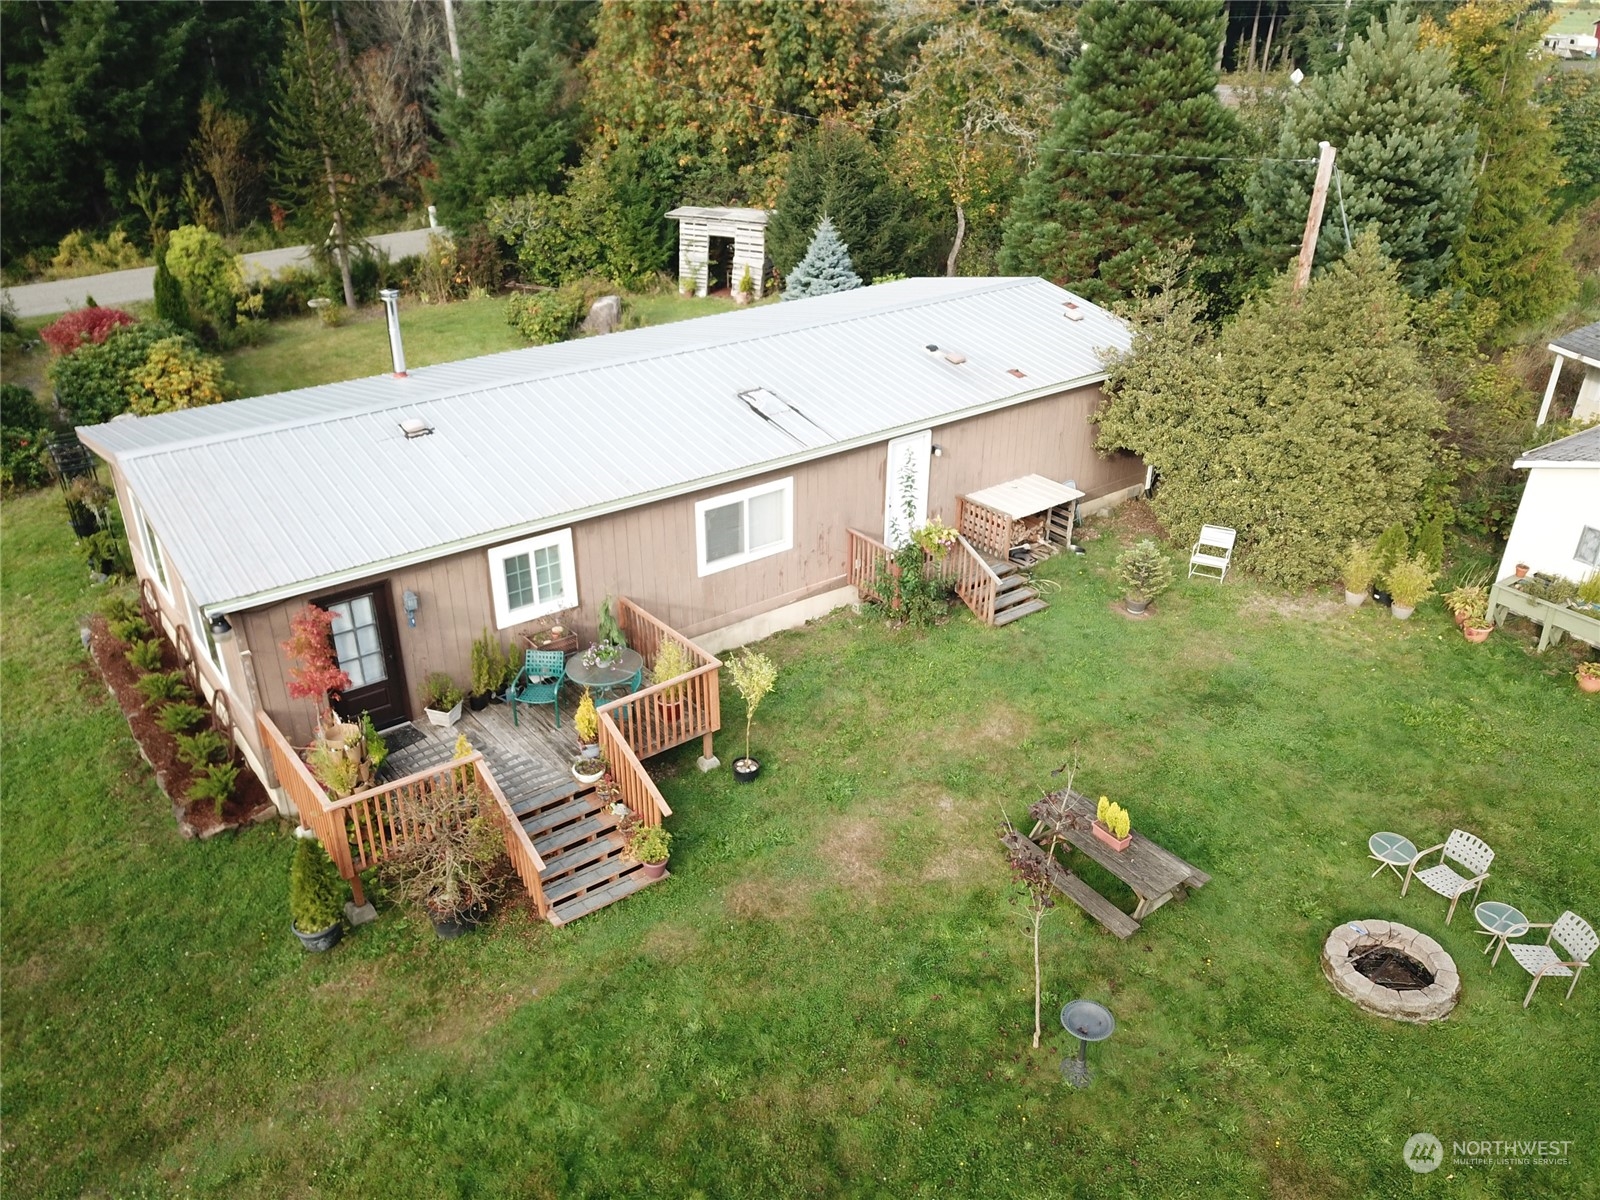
[[152, 551], [1588, 551], [744, 526], [356, 641], [202, 632], [532, 577]]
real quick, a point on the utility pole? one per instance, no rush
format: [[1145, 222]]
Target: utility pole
[[1319, 198], [455, 46]]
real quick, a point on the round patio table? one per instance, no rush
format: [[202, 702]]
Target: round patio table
[[1392, 851], [1088, 1022], [602, 679], [1500, 922]]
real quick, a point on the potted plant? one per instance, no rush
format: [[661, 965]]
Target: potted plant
[[489, 665], [446, 868], [587, 770], [315, 675], [587, 722], [604, 653], [1468, 602], [747, 288], [651, 844], [1588, 676], [1360, 568], [1145, 573], [672, 660], [441, 700], [753, 678], [1111, 825], [316, 897], [1392, 546], [1409, 581], [1522, 570]]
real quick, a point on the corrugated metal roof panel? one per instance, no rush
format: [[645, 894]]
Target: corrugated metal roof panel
[[265, 494]]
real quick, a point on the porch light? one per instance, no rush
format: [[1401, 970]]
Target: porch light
[[409, 603], [221, 629]]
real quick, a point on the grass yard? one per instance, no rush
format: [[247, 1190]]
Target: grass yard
[[302, 352], [832, 995]]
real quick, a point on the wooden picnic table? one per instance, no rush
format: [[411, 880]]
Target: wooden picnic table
[[1154, 873]]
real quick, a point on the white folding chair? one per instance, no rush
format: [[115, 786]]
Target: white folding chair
[[1464, 849], [1574, 935], [1212, 552]]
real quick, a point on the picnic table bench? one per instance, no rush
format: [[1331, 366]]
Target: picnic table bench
[[1154, 873]]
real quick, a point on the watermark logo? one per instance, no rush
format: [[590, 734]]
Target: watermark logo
[[1423, 1153]]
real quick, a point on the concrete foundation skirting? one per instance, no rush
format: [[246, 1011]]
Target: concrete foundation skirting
[[789, 616], [1087, 508]]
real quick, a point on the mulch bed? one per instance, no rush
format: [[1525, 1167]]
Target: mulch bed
[[196, 819]]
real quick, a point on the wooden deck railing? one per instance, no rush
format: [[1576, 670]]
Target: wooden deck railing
[[868, 561], [679, 710], [639, 791], [364, 828], [990, 531]]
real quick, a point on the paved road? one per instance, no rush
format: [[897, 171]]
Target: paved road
[[124, 287]]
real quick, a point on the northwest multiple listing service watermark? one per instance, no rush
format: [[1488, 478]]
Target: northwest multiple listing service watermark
[[1424, 1153]]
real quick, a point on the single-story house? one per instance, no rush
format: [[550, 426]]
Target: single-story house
[[1557, 527], [709, 469]]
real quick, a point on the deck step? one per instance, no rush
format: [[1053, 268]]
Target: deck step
[[592, 878], [559, 866], [1020, 611], [1004, 567], [548, 820], [1012, 597], [553, 844], [588, 902], [532, 803], [1012, 584]]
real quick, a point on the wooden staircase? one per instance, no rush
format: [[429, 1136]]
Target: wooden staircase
[[585, 867], [1016, 598]]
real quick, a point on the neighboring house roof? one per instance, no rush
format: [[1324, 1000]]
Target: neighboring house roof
[[1581, 343], [1581, 449], [269, 497]]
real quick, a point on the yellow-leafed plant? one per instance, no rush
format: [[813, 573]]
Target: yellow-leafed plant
[[1117, 820], [587, 720], [1100, 812]]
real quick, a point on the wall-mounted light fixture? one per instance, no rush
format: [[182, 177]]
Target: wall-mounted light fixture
[[409, 602], [938, 450], [221, 629]]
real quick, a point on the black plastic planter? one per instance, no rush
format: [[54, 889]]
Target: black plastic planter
[[322, 940], [745, 770]]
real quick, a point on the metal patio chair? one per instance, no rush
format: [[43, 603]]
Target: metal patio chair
[[1212, 552], [1462, 848], [539, 682], [1574, 935]]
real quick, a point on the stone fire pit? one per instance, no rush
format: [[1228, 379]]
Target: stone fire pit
[[1391, 970]]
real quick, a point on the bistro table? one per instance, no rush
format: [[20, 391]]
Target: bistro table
[[1392, 851], [602, 678], [1500, 922]]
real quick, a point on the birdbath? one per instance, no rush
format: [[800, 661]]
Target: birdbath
[[1088, 1022]]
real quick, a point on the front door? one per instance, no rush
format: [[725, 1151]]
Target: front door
[[905, 504], [364, 642]]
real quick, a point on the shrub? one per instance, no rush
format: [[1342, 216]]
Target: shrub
[[199, 749], [672, 660], [181, 717], [1145, 572], [176, 375], [1391, 548], [440, 693], [1430, 542], [651, 844], [1410, 580], [545, 317], [333, 770], [163, 687], [24, 458], [20, 408], [316, 892], [1360, 567], [1589, 589], [586, 720], [209, 275], [120, 608], [79, 254], [83, 326], [144, 654], [490, 664], [94, 383], [215, 782]]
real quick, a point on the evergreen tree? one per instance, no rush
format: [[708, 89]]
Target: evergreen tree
[[171, 306], [1303, 423], [1404, 158], [838, 171], [1127, 168], [513, 125], [1512, 252], [825, 268], [327, 163]]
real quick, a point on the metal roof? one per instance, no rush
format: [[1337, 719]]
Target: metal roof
[[1026, 496], [1581, 449], [1583, 342], [266, 498], [746, 216]]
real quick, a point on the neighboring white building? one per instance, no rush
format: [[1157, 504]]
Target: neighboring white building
[[1557, 529], [1583, 345], [720, 242]]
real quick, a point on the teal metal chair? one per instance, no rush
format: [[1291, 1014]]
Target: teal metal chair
[[539, 682]]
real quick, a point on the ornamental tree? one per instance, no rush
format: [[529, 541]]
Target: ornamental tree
[[825, 268], [314, 672]]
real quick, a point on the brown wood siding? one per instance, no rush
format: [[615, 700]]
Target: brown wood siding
[[648, 553]]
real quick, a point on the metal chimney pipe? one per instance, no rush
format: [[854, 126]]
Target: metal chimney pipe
[[391, 306]]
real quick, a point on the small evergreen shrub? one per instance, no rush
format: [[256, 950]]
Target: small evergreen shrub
[[199, 750], [1145, 572], [1393, 544], [545, 317], [130, 629], [1410, 581], [163, 687], [316, 892], [215, 782], [144, 654], [1360, 567], [1430, 542], [181, 717]]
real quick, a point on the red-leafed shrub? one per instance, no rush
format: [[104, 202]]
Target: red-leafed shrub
[[315, 672], [81, 327]]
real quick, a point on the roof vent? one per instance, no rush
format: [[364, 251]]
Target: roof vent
[[950, 356], [1017, 373], [415, 427], [1073, 313]]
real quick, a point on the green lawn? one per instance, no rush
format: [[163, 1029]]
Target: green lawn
[[832, 995], [301, 351]]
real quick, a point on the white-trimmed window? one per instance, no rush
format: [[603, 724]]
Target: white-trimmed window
[[533, 577], [152, 552], [202, 634], [740, 527], [1588, 551]]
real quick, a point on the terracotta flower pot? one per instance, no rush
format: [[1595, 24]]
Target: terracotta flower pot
[[1522, 570], [1105, 835], [1477, 633], [655, 870], [1461, 620], [1589, 683]]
